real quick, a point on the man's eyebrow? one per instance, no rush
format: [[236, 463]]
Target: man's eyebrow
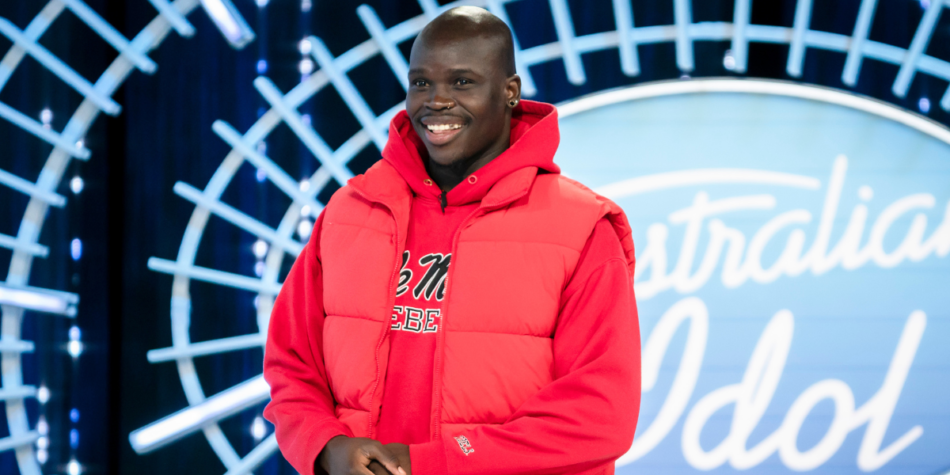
[[463, 71], [416, 71]]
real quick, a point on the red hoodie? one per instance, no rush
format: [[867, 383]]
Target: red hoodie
[[596, 341]]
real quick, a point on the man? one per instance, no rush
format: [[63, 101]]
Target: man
[[461, 307]]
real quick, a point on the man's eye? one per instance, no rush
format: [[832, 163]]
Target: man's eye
[[462, 82], [419, 83]]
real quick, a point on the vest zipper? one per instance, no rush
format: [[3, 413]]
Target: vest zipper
[[443, 201]]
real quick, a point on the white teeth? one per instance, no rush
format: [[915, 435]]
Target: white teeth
[[443, 127]]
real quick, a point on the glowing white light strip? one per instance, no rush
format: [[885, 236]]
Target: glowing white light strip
[[40, 300], [174, 17], [229, 21], [274, 173], [214, 276], [57, 67], [11, 242], [8, 345], [20, 392], [27, 188], [389, 49], [9, 443], [191, 419], [237, 218], [111, 36], [28, 124], [256, 457], [757, 86], [204, 348]]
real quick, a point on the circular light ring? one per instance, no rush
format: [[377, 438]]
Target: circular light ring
[[332, 71]]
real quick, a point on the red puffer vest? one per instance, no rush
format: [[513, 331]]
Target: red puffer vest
[[511, 260]]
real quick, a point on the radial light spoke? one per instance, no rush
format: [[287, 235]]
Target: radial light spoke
[[307, 135], [237, 218], [9, 345], [627, 46], [13, 442], [28, 124], [174, 17], [740, 39], [29, 247], [796, 50], [204, 348], [110, 35], [274, 173], [57, 67], [564, 27], [852, 64], [20, 392], [39, 299], [28, 188], [388, 49], [214, 276], [193, 418], [682, 15], [256, 457], [347, 91], [917, 47]]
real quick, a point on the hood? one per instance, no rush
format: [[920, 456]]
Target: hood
[[534, 139]]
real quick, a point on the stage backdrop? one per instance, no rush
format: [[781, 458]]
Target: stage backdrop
[[792, 273]]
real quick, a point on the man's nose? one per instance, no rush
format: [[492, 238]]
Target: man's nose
[[439, 100]]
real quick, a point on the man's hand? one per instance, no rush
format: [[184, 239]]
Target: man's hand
[[401, 452], [352, 456]]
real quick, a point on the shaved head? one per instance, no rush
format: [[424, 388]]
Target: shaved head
[[462, 90], [465, 23]]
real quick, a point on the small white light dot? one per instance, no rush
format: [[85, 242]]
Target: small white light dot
[[306, 5], [259, 268], [304, 184], [75, 249], [75, 333], [259, 249], [41, 426], [306, 66], [262, 3], [46, 116], [304, 46], [74, 348], [305, 211], [925, 4], [684, 76], [42, 443], [261, 176], [305, 118], [42, 396], [76, 185], [729, 61], [258, 429], [865, 193], [42, 456], [73, 467], [261, 66], [262, 148], [257, 300], [305, 228], [924, 105], [80, 143]]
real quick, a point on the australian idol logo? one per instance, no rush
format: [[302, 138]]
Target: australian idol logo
[[775, 222], [739, 258]]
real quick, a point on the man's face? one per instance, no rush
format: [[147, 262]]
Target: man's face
[[458, 95]]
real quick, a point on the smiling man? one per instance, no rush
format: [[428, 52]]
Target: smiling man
[[461, 307]]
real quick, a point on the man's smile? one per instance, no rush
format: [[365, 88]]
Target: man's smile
[[441, 130]]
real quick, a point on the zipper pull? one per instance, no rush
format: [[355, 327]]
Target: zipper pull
[[443, 202]]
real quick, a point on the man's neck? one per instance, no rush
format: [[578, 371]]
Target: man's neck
[[447, 176]]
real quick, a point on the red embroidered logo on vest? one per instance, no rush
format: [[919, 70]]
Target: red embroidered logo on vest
[[464, 444]]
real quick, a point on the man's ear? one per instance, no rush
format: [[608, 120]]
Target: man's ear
[[513, 88]]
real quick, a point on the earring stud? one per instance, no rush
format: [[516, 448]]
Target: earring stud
[[512, 103]]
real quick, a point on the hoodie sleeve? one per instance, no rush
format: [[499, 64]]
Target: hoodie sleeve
[[301, 406], [586, 418]]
